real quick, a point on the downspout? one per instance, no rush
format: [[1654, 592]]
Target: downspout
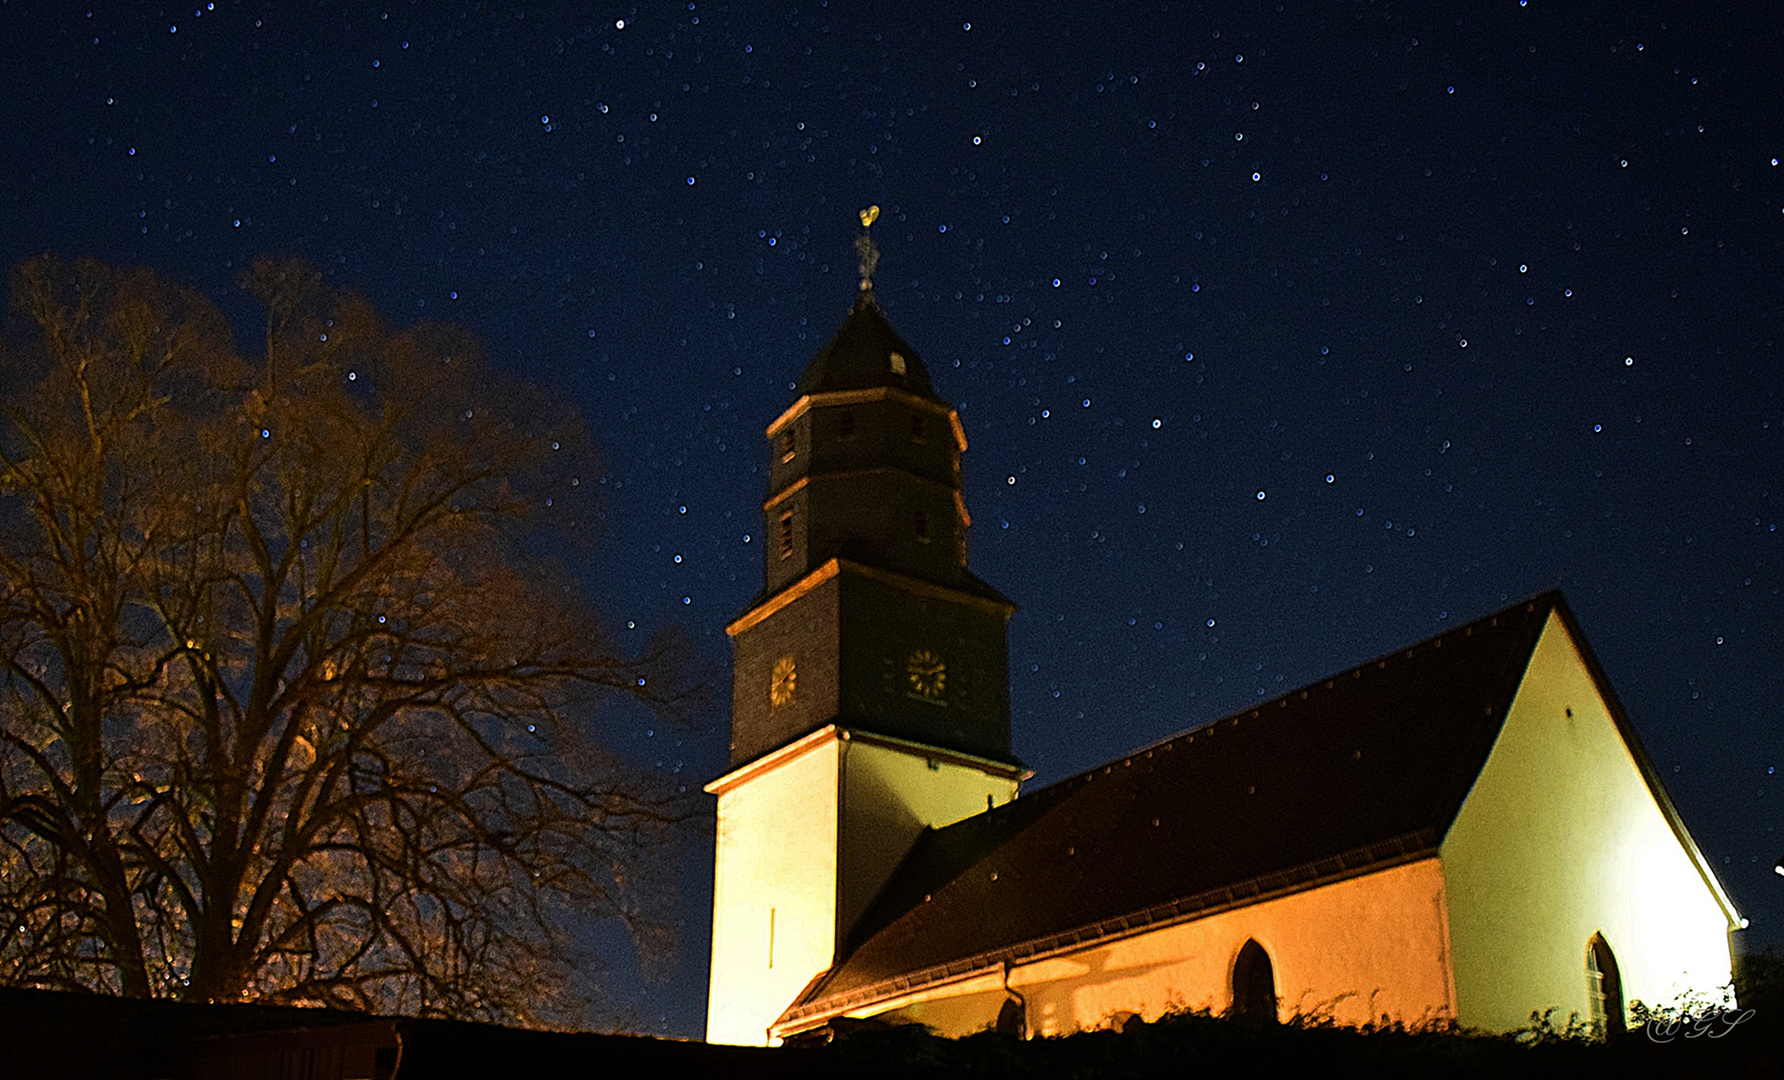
[[1016, 996]]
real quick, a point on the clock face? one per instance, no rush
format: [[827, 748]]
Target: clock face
[[926, 676], [781, 681]]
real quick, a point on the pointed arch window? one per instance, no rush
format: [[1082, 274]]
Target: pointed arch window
[[1604, 987], [1254, 983], [1012, 1018]]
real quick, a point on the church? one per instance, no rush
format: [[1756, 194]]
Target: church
[[1463, 831]]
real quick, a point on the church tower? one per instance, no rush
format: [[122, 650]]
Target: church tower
[[871, 684]]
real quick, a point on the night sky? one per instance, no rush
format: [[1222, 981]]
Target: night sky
[[1281, 340]]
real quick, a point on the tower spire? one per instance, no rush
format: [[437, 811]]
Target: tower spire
[[871, 679], [864, 245]]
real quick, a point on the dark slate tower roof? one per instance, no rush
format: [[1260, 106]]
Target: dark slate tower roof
[[856, 357], [1362, 770]]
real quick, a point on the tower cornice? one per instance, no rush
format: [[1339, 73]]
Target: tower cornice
[[837, 733], [798, 485], [807, 402], [903, 582]]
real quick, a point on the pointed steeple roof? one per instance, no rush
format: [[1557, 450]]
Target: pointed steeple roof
[[866, 354]]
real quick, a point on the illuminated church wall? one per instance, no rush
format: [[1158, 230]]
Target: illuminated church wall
[[774, 877], [1560, 839], [807, 836], [889, 794], [1354, 950]]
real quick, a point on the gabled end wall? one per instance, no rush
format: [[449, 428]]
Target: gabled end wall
[[1566, 835]]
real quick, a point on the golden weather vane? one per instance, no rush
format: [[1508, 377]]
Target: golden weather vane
[[864, 245]]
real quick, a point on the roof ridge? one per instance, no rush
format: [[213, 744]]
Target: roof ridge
[[1548, 597]]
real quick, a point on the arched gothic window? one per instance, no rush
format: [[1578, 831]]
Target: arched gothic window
[[1604, 987], [1254, 983], [1012, 1019]]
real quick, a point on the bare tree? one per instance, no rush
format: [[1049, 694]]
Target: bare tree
[[293, 707]]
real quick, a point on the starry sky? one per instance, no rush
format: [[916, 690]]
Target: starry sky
[[1281, 339]]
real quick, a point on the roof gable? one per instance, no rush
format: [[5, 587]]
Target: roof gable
[[1644, 765], [1367, 767]]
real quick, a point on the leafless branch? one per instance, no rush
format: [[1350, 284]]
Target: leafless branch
[[286, 711]]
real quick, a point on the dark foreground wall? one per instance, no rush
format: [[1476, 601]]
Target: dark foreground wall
[[68, 1036], [46, 1035]]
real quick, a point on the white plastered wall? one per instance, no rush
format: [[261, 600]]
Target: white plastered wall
[[774, 891], [818, 824], [1560, 839], [890, 792]]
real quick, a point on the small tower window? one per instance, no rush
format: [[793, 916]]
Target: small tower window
[[895, 361], [1254, 983], [787, 445], [845, 424], [922, 526], [786, 534], [919, 430]]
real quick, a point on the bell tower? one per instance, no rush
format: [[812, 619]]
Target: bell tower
[[870, 693]]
